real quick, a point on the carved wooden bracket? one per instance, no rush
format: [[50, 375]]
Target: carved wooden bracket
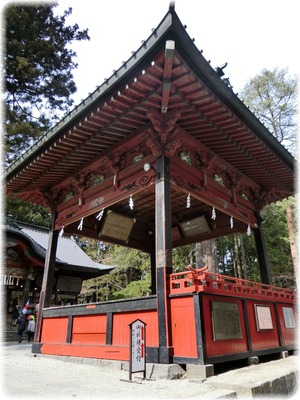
[[81, 183], [205, 161], [261, 199], [163, 123], [172, 144], [153, 143], [50, 200], [116, 162]]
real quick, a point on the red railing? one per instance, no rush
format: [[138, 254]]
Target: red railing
[[200, 280]]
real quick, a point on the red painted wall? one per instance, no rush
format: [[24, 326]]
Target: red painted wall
[[54, 330], [288, 333], [90, 329], [121, 322], [89, 351], [183, 327]]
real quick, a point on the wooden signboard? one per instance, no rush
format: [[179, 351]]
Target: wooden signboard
[[117, 226], [137, 361]]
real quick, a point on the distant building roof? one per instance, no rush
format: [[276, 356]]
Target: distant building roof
[[68, 252]]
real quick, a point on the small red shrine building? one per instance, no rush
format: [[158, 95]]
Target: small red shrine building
[[163, 154]]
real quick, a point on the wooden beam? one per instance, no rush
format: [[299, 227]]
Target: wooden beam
[[103, 196], [166, 89], [190, 180]]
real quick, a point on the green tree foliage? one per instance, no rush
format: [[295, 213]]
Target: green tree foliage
[[38, 72], [237, 256], [130, 277], [95, 249], [183, 256], [38, 84], [275, 228], [27, 212], [272, 96]]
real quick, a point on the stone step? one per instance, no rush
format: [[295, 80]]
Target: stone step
[[9, 335]]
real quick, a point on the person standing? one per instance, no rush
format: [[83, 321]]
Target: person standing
[[21, 322], [31, 328], [15, 316]]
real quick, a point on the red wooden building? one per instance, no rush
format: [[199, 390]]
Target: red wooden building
[[163, 154]]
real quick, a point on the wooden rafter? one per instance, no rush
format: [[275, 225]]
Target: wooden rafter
[[166, 89]]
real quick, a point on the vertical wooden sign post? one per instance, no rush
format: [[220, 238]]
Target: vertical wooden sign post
[[137, 361]]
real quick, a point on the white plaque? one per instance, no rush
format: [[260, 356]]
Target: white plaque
[[138, 347], [263, 317], [289, 319]]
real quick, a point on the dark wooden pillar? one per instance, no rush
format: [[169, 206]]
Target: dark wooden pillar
[[163, 245], [25, 294], [263, 260], [48, 278], [153, 271]]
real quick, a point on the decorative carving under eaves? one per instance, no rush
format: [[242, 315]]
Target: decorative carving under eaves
[[163, 123], [172, 145], [263, 198], [58, 196], [116, 162], [152, 142], [204, 160], [81, 183], [50, 200], [222, 172]]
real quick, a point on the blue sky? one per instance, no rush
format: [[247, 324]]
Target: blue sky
[[248, 35]]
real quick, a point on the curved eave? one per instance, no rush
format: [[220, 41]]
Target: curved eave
[[104, 90], [170, 28], [39, 253], [30, 248], [208, 75]]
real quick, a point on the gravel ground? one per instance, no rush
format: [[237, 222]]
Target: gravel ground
[[26, 375]]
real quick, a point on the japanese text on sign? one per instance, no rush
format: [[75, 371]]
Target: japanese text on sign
[[138, 349]]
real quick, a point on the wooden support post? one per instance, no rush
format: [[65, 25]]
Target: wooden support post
[[198, 312], [153, 272], [48, 278], [163, 245], [262, 255], [25, 294]]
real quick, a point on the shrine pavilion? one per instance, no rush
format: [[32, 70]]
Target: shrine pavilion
[[162, 154]]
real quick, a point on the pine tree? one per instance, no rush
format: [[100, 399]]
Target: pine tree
[[38, 72]]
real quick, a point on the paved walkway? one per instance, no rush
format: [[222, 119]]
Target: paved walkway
[[27, 376]]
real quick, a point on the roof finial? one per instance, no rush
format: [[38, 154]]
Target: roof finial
[[172, 6]]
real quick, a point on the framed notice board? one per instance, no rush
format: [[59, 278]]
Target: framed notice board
[[263, 317], [226, 320], [289, 319]]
